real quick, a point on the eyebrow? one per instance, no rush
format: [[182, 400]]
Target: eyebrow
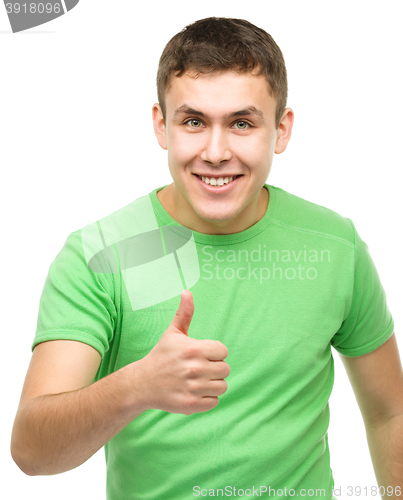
[[250, 110]]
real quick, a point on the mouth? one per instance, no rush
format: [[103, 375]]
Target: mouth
[[218, 183]]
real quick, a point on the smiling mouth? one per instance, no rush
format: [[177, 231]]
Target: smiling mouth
[[217, 181]]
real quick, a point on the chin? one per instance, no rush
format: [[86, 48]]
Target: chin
[[213, 216]]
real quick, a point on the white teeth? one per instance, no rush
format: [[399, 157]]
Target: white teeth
[[216, 182]]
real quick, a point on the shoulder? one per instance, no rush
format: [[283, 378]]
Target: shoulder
[[136, 218], [95, 241], [302, 215]]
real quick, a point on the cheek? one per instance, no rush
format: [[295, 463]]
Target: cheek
[[256, 152], [182, 149]]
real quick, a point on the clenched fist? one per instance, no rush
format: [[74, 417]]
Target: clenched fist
[[181, 374]]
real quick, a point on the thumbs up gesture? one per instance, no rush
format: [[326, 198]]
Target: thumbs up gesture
[[181, 374]]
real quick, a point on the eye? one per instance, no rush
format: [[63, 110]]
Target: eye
[[244, 124], [194, 120]]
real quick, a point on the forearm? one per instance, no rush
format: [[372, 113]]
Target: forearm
[[58, 432], [385, 441]]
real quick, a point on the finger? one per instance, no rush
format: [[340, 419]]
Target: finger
[[214, 350], [216, 388], [219, 370], [184, 314], [207, 403]]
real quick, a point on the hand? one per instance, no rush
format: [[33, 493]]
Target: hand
[[181, 374]]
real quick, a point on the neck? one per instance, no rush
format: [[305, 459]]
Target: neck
[[178, 208]]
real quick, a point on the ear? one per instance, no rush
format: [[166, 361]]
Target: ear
[[284, 130], [159, 126]]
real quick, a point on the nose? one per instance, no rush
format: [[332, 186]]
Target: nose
[[216, 148]]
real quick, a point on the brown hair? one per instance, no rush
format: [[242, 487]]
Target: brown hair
[[219, 44]]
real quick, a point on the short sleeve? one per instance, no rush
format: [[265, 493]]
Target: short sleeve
[[369, 322], [76, 303]]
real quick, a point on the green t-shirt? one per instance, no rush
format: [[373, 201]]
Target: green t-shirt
[[278, 295]]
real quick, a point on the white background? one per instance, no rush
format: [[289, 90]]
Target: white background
[[77, 143]]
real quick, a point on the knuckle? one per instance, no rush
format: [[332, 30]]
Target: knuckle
[[190, 351], [194, 370], [193, 386], [190, 404]]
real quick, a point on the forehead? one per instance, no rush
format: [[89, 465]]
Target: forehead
[[219, 94]]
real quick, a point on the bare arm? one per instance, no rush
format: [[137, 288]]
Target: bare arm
[[63, 418], [377, 381]]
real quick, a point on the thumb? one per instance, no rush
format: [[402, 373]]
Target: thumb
[[184, 314]]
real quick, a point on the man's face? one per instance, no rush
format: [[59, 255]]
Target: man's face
[[212, 131]]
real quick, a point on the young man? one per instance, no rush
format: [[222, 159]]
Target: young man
[[144, 312]]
